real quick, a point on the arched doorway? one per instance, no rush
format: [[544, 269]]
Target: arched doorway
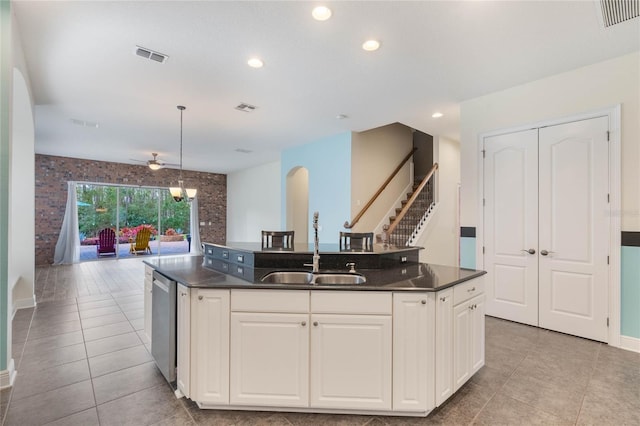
[[297, 212]]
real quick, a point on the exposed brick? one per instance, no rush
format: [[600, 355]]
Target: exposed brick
[[52, 174]]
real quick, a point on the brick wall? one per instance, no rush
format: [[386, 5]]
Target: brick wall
[[52, 174]]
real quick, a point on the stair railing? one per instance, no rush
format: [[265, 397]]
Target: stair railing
[[425, 192], [355, 220]]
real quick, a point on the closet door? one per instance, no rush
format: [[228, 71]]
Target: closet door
[[574, 228], [511, 226]]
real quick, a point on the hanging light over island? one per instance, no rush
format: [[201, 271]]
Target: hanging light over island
[[180, 193]]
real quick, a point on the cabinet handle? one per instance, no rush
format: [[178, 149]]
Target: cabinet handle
[[443, 299], [315, 323], [199, 297], [423, 301], [303, 323], [471, 289], [182, 294]]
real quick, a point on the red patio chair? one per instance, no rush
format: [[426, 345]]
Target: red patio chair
[[106, 242]]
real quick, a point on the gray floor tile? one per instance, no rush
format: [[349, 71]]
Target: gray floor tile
[[143, 337], [94, 297], [46, 330], [44, 344], [145, 407], [112, 343], [502, 410], [503, 359], [52, 405], [124, 382], [96, 312], [32, 382], [103, 320], [118, 360], [84, 418], [137, 324], [45, 308], [557, 397], [132, 305], [611, 403], [132, 315], [103, 331], [490, 379], [52, 318], [4, 402], [300, 419], [40, 360], [96, 304]]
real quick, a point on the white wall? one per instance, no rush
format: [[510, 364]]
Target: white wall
[[21, 270], [585, 89], [21, 256], [440, 239], [253, 202], [374, 155]]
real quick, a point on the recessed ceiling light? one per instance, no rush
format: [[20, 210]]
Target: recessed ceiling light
[[255, 63], [371, 45], [437, 115], [321, 13], [341, 116]]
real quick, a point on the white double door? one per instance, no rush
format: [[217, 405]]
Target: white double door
[[546, 227]]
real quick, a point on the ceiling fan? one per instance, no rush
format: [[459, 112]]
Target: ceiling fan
[[155, 164]]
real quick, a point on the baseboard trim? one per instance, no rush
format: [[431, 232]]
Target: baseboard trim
[[8, 376], [630, 343], [24, 303]]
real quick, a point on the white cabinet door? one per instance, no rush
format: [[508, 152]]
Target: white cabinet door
[[444, 345], [461, 344], [413, 355], [269, 359], [477, 333], [351, 361], [468, 339], [148, 288], [183, 331], [210, 346]]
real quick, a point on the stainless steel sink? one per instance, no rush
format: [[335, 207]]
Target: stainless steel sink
[[288, 277], [344, 279], [299, 277]]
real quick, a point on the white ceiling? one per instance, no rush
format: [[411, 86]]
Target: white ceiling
[[81, 62]]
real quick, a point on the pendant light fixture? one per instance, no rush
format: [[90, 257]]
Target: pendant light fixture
[[181, 193]]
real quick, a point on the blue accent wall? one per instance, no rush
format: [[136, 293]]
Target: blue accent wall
[[630, 292], [328, 161], [468, 252]]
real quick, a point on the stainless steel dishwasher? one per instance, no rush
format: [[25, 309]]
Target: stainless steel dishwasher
[[163, 325]]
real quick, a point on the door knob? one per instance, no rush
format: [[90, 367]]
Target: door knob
[[530, 251], [545, 252]]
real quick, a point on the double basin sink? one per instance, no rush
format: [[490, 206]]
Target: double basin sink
[[309, 278]]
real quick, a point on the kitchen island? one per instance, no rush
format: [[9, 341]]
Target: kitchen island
[[400, 343]]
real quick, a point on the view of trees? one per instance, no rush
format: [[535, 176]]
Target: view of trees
[[97, 209]]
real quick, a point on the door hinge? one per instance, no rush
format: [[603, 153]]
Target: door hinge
[[482, 249], [607, 321], [484, 153], [607, 260], [608, 198], [483, 202], [608, 135]]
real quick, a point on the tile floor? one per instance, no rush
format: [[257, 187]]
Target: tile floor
[[82, 359]]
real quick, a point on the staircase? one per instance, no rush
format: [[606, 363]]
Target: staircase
[[412, 217]]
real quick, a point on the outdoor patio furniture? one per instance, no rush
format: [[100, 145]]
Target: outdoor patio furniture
[[106, 242], [141, 242]]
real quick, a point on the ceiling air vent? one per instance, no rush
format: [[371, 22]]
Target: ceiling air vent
[[243, 150], [246, 107], [617, 11], [150, 54]]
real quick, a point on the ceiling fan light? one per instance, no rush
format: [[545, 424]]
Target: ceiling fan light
[[155, 166]]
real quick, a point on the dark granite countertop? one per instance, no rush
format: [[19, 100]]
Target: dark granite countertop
[[192, 272]]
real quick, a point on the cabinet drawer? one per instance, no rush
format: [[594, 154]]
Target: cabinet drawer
[[467, 290], [293, 301], [351, 302], [148, 272]]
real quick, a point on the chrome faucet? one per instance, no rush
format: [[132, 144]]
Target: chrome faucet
[[316, 245]]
